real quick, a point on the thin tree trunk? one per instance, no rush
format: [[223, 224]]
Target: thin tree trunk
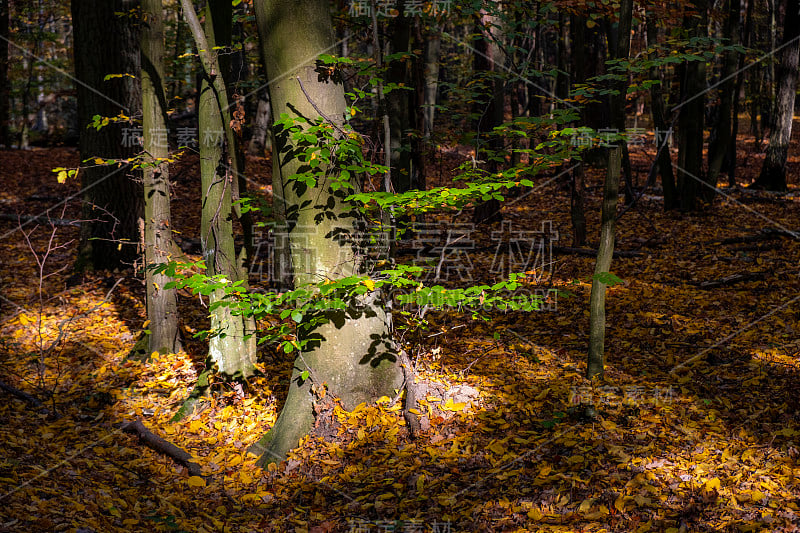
[[354, 355], [718, 149], [488, 59], [577, 183], [162, 304], [740, 77], [576, 206], [773, 171], [5, 90], [690, 121], [433, 45], [605, 252], [232, 345], [664, 160], [400, 104]]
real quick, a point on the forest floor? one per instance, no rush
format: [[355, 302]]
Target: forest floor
[[695, 428]]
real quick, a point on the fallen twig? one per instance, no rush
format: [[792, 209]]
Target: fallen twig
[[162, 446]]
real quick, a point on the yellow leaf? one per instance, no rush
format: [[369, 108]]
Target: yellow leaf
[[98, 161], [497, 447], [711, 484], [420, 482], [535, 514], [450, 406], [196, 481], [62, 176], [245, 478], [619, 503], [24, 320], [369, 284], [586, 505]]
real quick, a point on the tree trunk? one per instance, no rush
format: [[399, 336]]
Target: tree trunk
[[232, 345], [5, 90], [405, 156], [488, 60], [162, 305], [773, 171], [432, 46], [107, 43], [692, 112], [260, 140], [718, 149], [664, 159], [353, 354], [740, 77], [576, 205], [605, 252]]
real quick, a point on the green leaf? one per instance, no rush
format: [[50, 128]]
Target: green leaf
[[608, 278]]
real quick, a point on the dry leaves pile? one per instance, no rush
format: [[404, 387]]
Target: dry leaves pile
[[515, 439]]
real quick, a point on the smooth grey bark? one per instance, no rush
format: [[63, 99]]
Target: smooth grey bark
[[352, 355], [605, 252], [232, 344], [773, 171], [162, 304], [107, 43], [433, 45]]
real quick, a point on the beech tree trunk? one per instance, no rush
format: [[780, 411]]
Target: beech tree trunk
[[232, 344], [605, 252], [353, 353], [433, 45], [773, 171], [106, 42], [162, 304]]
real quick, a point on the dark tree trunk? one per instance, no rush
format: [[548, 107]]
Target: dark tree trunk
[[773, 172], [107, 42], [577, 182], [5, 90], [487, 62], [664, 159], [730, 162], [718, 149], [692, 111], [405, 151]]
